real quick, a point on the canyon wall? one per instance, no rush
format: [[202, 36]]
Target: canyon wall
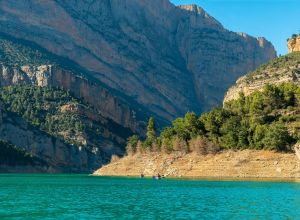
[[108, 105], [165, 59]]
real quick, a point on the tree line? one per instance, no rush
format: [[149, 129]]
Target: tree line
[[41, 107], [268, 119]]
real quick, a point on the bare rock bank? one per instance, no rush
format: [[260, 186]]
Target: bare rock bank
[[226, 164]]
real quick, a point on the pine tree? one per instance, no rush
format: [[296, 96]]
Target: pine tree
[[151, 130]]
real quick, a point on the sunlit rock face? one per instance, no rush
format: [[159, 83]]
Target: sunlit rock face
[[294, 44], [284, 69], [52, 75], [166, 59]]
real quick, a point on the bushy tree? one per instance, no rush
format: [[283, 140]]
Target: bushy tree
[[151, 130], [213, 121], [258, 136], [132, 144], [277, 138], [166, 145]]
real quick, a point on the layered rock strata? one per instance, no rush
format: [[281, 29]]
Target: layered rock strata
[[167, 59]]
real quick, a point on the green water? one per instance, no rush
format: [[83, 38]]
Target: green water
[[85, 197]]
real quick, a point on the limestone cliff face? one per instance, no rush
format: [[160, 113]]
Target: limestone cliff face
[[163, 58], [110, 106], [285, 69], [116, 118], [294, 44], [60, 157]]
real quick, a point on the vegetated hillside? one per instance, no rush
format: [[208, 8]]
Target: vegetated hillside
[[268, 119], [64, 117], [16, 54], [165, 59], [63, 104], [36, 84], [283, 69], [22, 62], [55, 152], [61, 115]]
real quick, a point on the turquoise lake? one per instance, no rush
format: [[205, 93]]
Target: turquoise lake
[[86, 197]]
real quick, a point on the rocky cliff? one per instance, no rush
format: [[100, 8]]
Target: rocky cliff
[[159, 57], [281, 70], [294, 44], [54, 114], [56, 155], [110, 106], [25, 64]]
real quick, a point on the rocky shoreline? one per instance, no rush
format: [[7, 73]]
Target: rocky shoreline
[[226, 164]]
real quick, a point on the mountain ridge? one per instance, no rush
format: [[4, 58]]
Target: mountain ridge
[[171, 75]]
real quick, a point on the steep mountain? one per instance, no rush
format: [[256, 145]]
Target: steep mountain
[[48, 99], [78, 77], [149, 56], [24, 63]]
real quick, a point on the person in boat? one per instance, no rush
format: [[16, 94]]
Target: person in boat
[[157, 177]]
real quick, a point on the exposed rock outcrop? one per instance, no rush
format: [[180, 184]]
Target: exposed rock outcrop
[[285, 69], [113, 114], [166, 59], [129, 59], [48, 75], [294, 44]]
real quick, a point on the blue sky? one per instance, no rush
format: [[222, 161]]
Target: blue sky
[[275, 20]]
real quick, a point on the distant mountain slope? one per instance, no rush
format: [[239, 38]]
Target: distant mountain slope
[[54, 126], [280, 70], [63, 116], [29, 82], [56, 155], [22, 62], [164, 59]]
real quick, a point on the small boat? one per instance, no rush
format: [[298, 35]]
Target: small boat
[[157, 177]]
